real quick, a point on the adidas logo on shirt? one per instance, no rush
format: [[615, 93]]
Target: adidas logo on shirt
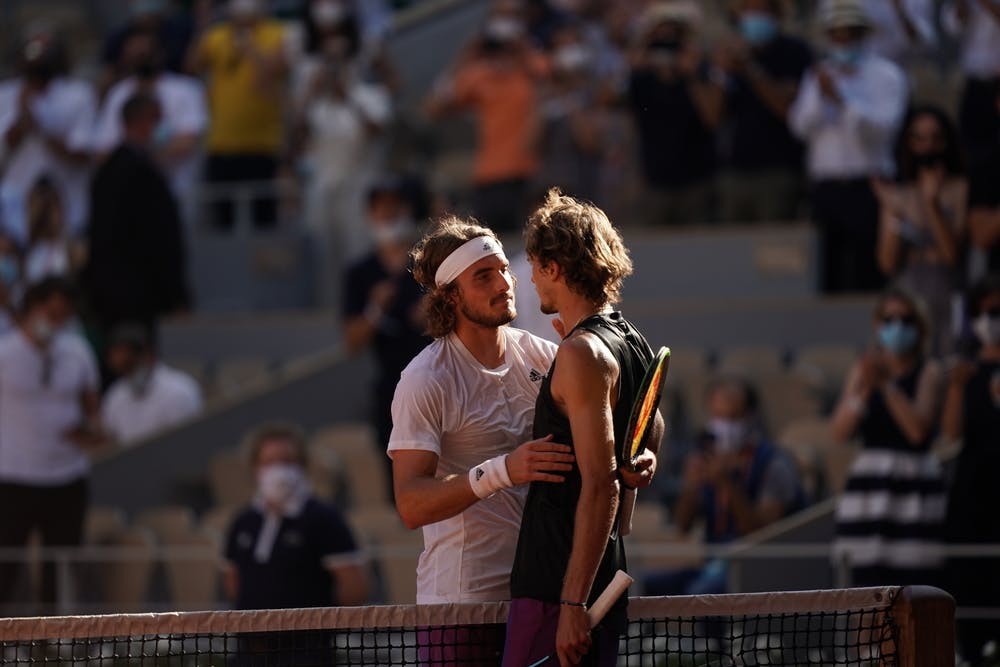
[[535, 376]]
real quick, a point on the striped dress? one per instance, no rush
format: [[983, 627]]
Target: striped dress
[[890, 516]]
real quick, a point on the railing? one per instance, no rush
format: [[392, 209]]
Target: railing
[[65, 559]]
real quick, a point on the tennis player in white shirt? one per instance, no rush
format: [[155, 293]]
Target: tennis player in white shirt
[[462, 417]]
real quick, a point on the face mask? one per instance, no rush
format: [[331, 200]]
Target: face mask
[[897, 337], [394, 231], [572, 58], [987, 329], [729, 434], [327, 13], [279, 482], [758, 27], [10, 271], [43, 330], [504, 29], [847, 56]]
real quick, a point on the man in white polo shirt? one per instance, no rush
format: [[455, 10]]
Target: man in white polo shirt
[[461, 411], [49, 414]]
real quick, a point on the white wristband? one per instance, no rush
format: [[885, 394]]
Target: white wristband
[[490, 476]]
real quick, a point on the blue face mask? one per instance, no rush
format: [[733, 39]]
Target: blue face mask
[[758, 27], [847, 56], [897, 337]]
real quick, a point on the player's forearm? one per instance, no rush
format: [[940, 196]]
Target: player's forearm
[[427, 500], [595, 515]]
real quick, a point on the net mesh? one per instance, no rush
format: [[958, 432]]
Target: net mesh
[[764, 629]]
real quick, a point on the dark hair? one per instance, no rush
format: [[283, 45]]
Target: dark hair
[[138, 106], [578, 237], [46, 288], [254, 441], [348, 27], [989, 284], [906, 166]]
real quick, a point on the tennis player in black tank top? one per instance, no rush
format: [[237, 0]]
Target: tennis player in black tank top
[[569, 547]]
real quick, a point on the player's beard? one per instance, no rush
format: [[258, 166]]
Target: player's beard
[[488, 317]]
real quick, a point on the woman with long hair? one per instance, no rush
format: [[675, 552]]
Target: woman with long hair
[[890, 513], [923, 217]]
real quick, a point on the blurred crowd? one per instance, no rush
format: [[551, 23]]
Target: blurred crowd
[[877, 120]]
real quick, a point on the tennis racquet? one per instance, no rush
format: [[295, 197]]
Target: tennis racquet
[[640, 420], [614, 590]]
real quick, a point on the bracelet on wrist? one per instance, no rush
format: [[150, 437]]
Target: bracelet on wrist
[[571, 603]]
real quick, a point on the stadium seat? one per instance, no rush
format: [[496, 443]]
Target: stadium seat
[[194, 583], [396, 548], [229, 478], [751, 361], [103, 523], [686, 362], [786, 396], [833, 361], [124, 584], [215, 522], [167, 522], [811, 442], [363, 466]]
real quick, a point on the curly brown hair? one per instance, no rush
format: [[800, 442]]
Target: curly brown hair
[[578, 237], [447, 234]]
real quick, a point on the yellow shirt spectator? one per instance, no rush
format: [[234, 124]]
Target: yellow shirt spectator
[[245, 86]]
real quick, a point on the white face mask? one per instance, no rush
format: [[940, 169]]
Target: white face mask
[[328, 13], [279, 482], [572, 58], [730, 434], [987, 329], [504, 29]]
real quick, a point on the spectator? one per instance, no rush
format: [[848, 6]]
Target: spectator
[[244, 60], [922, 217], [972, 415], [573, 120], [736, 481], [496, 78], [383, 304], [136, 265], [677, 103], [977, 24], [889, 515], [148, 395], [848, 111], [49, 251], [339, 115], [10, 282], [49, 417], [171, 28], [289, 549], [46, 120], [764, 162], [177, 139], [902, 30]]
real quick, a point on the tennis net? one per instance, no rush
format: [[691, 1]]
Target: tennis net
[[908, 627]]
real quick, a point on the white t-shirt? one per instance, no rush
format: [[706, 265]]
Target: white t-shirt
[[185, 111], [66, 109], [448, 403], [169, 397], [35, 415]]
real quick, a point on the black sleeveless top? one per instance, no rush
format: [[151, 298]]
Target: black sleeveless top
[[546, 538], [878, 428]]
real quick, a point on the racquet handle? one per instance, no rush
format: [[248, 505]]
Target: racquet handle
[[628, 509], [619, 584]]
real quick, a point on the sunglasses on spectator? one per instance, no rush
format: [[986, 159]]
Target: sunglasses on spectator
[[905, 319]]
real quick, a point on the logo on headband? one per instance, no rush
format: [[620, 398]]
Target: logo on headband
[[487, 245]]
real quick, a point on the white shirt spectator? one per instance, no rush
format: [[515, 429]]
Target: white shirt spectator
[[853, 140], [40, 402], [66, 110], [889, 39], [184, 112], [980, 35], [448, 403], [167, 397]]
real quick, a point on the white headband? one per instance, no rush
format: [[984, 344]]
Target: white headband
[[465, 256]]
